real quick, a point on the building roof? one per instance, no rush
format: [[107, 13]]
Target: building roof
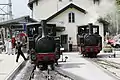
[[21, 20], [71, 5]]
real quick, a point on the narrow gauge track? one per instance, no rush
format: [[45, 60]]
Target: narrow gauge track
[[27, 74], [49, 75], [111, 68]]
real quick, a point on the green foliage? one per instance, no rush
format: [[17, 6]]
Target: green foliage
[[108, 24], [103, 21], [118, 2]]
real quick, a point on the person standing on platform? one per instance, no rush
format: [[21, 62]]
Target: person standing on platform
[[6, 46], [18, 47], [13, 44], [10, 48], [70, 44]]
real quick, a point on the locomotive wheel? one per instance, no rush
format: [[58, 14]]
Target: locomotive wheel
[[56, 61], [94, 55], [32, 75], [43, 67], [117, 46], [90, 55], [83, 55], [52, 66], [86, 55], [37, 66]]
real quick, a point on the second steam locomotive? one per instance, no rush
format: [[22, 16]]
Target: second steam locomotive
[[89, 40]]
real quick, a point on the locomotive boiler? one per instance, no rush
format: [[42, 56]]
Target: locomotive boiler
[[42, 45], [89, 41]]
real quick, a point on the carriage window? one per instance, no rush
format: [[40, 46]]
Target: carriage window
[[31, 32], [94, 30]]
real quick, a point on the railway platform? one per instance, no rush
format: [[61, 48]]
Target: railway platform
[[9, 66], [77, 67], [80, 68]]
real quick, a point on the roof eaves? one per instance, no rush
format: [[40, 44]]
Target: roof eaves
[[71, 5], [24, 19]]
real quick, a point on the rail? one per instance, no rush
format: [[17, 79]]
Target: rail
[[12, 75], [30, 72], [112, 67], [109, 67]]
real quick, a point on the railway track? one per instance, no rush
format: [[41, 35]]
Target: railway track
[[27, 74], [111, 68], [49, 75]]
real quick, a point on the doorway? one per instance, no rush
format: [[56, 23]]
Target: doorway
[[64, 41]]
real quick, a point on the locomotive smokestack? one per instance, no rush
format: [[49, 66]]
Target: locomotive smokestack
[[44, 25], [90, 28]]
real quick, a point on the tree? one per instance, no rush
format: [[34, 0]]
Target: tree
[[118, 2], [109, 23]]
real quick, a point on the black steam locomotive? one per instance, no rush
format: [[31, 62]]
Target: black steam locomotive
[[43, 48], [89, 41]]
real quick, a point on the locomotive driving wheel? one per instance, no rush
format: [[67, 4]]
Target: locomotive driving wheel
[[92, 55], [52, 66], [85, 55]]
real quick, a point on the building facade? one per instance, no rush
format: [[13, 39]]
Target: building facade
[[70, 14]]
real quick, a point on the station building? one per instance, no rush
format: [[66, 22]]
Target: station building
[[68, 15]]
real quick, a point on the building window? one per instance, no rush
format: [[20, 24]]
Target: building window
[[96, 1], [71, 17], [36, 2], [60, 0]]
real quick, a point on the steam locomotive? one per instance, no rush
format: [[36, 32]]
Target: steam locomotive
[[89, 41], [43, 48]]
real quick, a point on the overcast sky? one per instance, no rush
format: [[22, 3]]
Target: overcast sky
[[19, 7]]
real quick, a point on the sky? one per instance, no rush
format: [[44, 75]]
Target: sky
[[19, 7]]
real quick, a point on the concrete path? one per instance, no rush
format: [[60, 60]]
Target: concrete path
[[8, 65], [82, 69]]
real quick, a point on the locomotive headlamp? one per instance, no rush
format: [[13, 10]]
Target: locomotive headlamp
[[33, 57]]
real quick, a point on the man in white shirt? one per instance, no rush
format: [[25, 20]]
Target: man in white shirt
[[10, 48]]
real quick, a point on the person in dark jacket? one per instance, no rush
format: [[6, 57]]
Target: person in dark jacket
[[18, 47], [57, 52]]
